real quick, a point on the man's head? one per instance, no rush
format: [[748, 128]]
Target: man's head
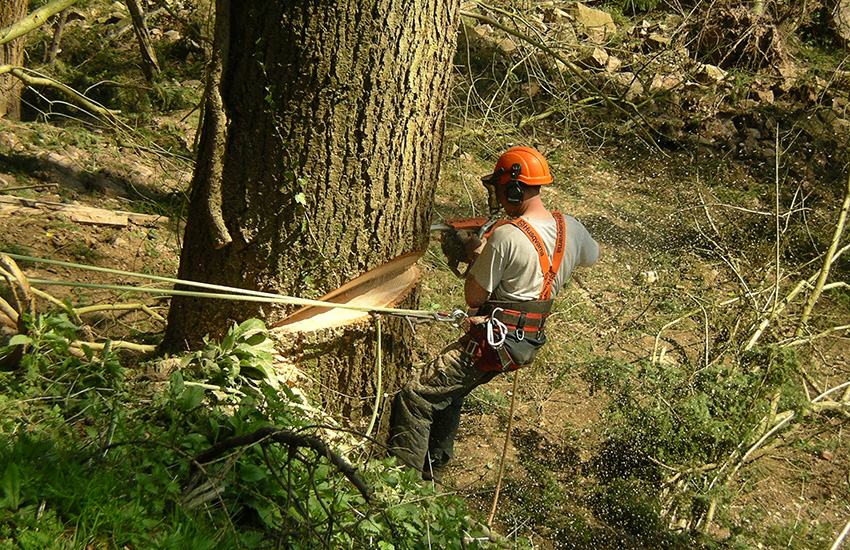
[[518, 175]]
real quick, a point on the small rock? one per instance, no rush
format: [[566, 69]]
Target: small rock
[[555, 15], [648, 277], [596, 24], [710, 74], [594, 58], [630, 83], [841, 20], [614, 64], [665, 81], [766, 96], [657, 41]]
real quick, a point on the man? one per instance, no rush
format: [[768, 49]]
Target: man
[[513, 279]]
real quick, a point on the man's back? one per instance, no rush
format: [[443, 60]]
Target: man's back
[[509, 267]]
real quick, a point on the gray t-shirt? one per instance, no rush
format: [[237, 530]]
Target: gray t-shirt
[[509, 267]]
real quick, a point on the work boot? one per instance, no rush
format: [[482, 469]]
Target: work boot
[[434, 472]]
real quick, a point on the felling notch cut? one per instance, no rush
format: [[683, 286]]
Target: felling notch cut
[[381, 287]]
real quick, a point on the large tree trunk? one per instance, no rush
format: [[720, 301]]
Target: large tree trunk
[[11, 53], [330, 123]]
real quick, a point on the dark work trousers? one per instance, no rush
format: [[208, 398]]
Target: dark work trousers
[[426, 412]]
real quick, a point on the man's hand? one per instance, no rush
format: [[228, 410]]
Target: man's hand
[[472, 244]]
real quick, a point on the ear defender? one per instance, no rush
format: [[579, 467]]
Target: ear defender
[[514, 190]]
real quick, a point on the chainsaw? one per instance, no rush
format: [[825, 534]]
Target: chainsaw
[[455, 232]]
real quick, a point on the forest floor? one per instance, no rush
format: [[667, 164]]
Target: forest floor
[[651, 272]]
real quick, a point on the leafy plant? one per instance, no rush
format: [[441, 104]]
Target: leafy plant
[[240, 361], [93, 457]]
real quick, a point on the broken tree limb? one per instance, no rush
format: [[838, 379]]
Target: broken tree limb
[[80, 213], [115, 344], [26, 76], [209, 175], [9, 313], [150, 64], [827, 262], [57, 37], [57, 302], [120, 307], [33, 20], [291, 439], [23, 300], [787, 300]]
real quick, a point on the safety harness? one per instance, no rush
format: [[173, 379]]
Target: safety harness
[[510, 322]]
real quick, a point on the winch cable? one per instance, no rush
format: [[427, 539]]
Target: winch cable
[[455, 318]]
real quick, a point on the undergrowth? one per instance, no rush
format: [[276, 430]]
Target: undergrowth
[[96, 454]]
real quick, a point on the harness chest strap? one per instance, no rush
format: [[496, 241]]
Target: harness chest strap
[[547, 266]]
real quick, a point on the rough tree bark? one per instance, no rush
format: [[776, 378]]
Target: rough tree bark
[[11, 53], [319, 157]]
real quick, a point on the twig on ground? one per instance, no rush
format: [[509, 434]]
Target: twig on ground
[[120, 307], [115, 344]]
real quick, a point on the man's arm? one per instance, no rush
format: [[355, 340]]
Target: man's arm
[[474, 293]]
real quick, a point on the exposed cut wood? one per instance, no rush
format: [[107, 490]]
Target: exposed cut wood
[[384, 286]]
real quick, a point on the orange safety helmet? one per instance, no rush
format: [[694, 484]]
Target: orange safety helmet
[[533, 168]]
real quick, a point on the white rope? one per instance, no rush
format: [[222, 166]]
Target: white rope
[[242, 294]]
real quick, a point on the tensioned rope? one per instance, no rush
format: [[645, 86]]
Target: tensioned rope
[[243, 294]]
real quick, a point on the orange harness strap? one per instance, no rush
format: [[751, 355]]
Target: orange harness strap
[[547, 266]]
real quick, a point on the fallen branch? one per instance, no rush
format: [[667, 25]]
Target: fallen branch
[[120, 307], [291, 439], [787, 300], [115, 344], [56, 301], [22, 187], [827, 262], [25, 76], [33, 20]]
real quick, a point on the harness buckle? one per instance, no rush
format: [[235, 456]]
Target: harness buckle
[[471, 348], [520, 334]]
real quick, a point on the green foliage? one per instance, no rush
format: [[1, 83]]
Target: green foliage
[[666, 418], [681, 417], [93, 455], [240, 361], [633, 6]]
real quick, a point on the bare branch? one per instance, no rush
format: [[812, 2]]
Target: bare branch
[[291, 439], [79, 99], [575, 71], [34, 20], [827, 262]]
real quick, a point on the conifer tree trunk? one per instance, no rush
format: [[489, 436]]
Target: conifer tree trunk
[[319, 156], [11, 53]]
